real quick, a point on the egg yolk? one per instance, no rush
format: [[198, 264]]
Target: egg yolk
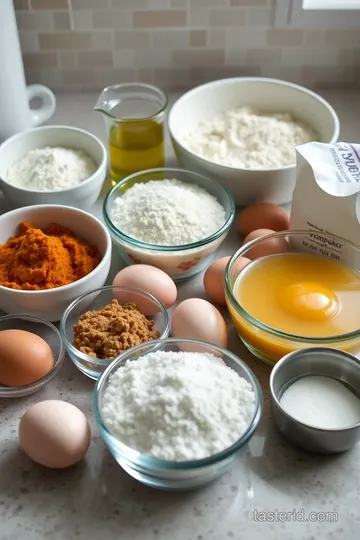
[[309, 300]]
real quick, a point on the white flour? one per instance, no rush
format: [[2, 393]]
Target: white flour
[[178, 406], [247, 138], [49, 169], [167, 212]]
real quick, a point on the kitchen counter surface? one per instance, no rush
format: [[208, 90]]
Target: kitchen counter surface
[[96, 499]]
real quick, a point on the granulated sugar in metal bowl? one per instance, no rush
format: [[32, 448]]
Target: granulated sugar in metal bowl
[[178, 406]]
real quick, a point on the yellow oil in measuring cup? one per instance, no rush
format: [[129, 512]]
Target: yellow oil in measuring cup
[[134, 146]]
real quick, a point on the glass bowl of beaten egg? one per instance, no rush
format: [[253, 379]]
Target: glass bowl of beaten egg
[[31, 353], [292, 290], [178, 261], [91, 358]]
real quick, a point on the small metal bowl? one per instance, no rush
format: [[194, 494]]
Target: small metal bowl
[[49, 333], [327, 362]]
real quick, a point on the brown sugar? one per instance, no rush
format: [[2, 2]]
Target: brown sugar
[[107, 332]]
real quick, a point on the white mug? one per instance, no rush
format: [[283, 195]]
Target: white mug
[[15, 112]]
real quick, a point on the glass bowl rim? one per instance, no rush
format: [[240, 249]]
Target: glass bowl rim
[[143, 86], [18, 391], [99, 361], [230, 212], [264, 327], [155, 463]]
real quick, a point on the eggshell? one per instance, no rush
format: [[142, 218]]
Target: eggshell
[[24, 357], [198, 319], [240, 263], [214, 280], [150, 279], [54, 434], [263, 216], [267, 247]]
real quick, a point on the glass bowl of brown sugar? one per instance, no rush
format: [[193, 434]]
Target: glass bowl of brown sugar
[[99, 326]]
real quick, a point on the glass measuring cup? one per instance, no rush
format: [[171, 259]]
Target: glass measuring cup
[[134, 119]]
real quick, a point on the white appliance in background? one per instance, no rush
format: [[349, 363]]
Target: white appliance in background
[[15, 112]]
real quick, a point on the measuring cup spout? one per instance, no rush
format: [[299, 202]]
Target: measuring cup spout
[[105, 101]]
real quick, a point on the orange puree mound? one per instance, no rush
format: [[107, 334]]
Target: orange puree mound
[[45, 258], [301, 294]]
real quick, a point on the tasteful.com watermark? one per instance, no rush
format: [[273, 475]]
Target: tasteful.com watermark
[[299, 516]]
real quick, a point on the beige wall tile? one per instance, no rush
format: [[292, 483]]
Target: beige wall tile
[[40, 60], [29, 41], [235, 57], [246, 37], [158, 4], [123, 58], [112, 19], [155, 58], [173, 78], [182, 4], [145, 75], [349, 57], [198, 38], [303, 57], [102, 39], [216, 38], [206, 74], [115, 76], [82, 19], [21, 5], [342, 38], [198, 16], [287, 73], [228, 17], [260, 16], [171, 39], [314, 38], [154, 19], [248, 2], [94, 58], [132, 39], [259, 57], [209, 3], [199, 57], [65, 40], [123, 4], [62, 20], [49, 4], [88, 4], [285, 37], [35, 20], [66, 59], [328, 73], [81, 76]]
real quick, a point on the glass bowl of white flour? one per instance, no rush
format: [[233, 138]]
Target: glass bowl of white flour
[[177, 413], [169, 218]]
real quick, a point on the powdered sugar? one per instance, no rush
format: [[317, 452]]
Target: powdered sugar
[[247, 138], [178, 406], [167, 212], [51, 168]]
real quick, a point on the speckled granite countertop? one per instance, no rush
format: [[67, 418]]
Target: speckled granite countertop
[[98, 500]]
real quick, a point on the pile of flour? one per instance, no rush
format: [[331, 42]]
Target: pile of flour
[[247, 138], [51, 168], [178, 406]]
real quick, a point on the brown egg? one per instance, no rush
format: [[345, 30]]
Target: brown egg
[[24, 357], [198, 319], [266, 247], [54, 434], [240, 263], [263, 216], [150, 279], [214, 280]]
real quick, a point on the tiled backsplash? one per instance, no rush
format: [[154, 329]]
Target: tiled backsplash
[[89, 44]]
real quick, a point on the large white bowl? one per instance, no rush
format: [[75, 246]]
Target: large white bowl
[[269, 95], [51, 303], [82, 195]]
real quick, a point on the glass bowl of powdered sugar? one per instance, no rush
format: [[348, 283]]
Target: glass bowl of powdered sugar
[[169, 218], [177, 413]]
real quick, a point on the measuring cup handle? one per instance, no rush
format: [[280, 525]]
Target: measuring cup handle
[[48, 103]]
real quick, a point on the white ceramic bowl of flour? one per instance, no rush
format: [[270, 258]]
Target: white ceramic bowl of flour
[[202, 104], [82, 195]]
